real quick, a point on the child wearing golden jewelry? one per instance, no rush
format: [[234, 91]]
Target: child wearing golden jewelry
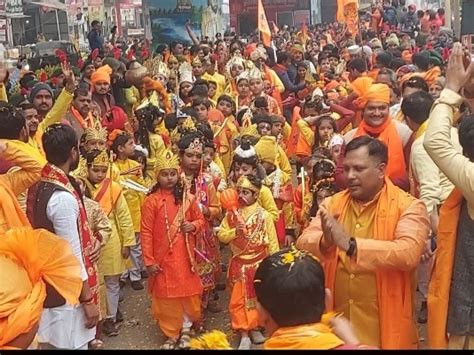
[[251, 237], [114, 255], [171, 222]]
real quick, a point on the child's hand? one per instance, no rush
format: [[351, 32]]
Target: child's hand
[[343, 329], [240, 228], [187, 227], [153, 270], [125, 252]]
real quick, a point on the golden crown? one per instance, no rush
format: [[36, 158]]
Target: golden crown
[[101, 160], [157, 66], [250, 130], [95, 134], [167, 160], [244, 183]]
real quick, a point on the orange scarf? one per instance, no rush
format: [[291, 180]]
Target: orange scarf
[[440, 285], [12, 212], [394, 287], [309, 336], [388, 133]]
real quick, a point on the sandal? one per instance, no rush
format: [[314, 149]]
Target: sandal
[[169, 344], [96, 344], [185, 341]]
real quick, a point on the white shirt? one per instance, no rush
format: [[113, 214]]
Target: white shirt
[[63, 326]]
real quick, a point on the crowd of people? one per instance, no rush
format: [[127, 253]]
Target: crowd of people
[[335, 166]]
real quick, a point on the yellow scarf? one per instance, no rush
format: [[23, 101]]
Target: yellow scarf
[[422, 129]]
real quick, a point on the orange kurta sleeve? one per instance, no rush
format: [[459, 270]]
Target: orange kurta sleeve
[[404, 252], [146, 231]]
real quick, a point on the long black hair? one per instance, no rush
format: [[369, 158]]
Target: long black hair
[[146, 117], [322, 179], [178, 191]]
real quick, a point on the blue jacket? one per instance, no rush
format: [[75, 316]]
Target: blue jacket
[[95, 40]]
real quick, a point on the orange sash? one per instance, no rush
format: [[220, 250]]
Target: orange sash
[[108, 195], [388, 133], [12, 212], [309, 336], [394, 287], [438, 294], [294, 133]]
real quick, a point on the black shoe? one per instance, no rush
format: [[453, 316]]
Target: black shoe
[[423, 315], [119, 316], [144, 274], [109, 328], [137, 285]]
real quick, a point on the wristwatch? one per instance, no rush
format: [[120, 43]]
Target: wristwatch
[[352, 247]]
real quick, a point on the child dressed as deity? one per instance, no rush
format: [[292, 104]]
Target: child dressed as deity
[[171, 223], [115, 253], [123, 146], [251, 237]]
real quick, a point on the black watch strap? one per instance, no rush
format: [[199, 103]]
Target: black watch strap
[[352, 247]]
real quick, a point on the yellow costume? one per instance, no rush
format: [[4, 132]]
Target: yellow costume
[[248, 250]]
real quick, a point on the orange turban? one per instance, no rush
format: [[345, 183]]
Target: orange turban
[[154, 85], [101, 74], [361, 85], [376, 92], [215, 116], [28, 258]]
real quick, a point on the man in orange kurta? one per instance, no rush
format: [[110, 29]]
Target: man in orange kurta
[[370, 239]]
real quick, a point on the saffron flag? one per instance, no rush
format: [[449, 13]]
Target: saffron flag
[[263, 25]]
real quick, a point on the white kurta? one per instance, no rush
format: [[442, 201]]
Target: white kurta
[[63, 327]]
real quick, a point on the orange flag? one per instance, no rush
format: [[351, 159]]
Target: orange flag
[[263, 25]]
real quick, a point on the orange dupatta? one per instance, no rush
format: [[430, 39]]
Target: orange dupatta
[[14, 216], [440, 285], [309, 336], [388, 133], [394, 287]]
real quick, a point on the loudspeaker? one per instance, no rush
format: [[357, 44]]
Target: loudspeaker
[[467, 23]]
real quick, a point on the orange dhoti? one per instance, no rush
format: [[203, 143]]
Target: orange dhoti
[[241, 317], [169, 313]]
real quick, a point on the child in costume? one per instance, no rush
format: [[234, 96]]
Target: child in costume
[[171, 223], [279, 182], [251, 237], [200, 184], [150, 117], [113, 256], [123, 147], [289, 286]]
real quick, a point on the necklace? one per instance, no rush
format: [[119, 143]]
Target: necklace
[[167, 226]]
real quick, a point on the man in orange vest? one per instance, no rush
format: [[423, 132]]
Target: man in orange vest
[[370, 238]]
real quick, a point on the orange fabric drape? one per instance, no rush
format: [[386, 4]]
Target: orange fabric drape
[[429, 76], [438, 294], [294, 133], [14, 216], [388, 133], [28, 258], [394, 287], [241, 317], [304, 337]]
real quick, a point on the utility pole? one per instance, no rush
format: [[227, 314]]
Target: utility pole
[[449, 14], [457, 18]]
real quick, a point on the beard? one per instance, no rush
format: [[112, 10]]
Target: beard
[[74, 164]]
